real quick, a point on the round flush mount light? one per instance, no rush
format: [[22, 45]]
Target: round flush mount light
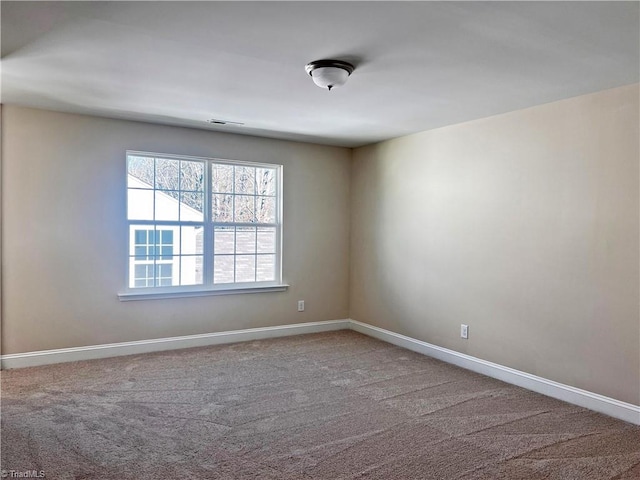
[[329, 73]]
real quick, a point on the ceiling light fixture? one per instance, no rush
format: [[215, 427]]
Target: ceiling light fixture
[[329, 73]]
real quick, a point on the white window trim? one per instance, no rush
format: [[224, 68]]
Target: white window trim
[[158, 293], [149, 293]]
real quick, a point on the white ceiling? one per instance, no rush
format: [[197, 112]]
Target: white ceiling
[[419, 65]]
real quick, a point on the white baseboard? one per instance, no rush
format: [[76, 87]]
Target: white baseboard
[[576, 396], [45, 357], [609, 406]]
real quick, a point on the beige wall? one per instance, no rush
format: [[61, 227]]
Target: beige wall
[[1, 226], [523, 226], [65, 246]]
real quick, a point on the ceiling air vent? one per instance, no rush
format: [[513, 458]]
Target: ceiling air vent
[[215, 121]]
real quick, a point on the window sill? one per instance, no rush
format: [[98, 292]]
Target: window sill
[[158, 295]]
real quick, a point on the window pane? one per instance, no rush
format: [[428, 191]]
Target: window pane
[[266, 209], [192, 176], [222, 208], [166, 236], [223, 240], [245, 178], [141, 237], [265, 181], [266, 240], [244, 209], [144, 271], [166, 206], [245, 268], [245, 240], [139, 204], [222, 178], [223, 269], [191, 270], [167, 174], [141, 172], [191, 207], [191, 240], [141, 253], [266, 268], [165, 269]]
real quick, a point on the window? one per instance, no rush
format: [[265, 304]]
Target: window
[[202, 224], [153, 258]]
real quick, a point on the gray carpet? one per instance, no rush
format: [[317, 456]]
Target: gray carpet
[[336, 405]]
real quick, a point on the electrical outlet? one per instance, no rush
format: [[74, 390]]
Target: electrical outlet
[[301, 305], [464, 331]]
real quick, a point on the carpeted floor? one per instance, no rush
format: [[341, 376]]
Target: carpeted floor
[[335, 405]]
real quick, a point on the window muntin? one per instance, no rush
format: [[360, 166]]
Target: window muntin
[[202, 222]]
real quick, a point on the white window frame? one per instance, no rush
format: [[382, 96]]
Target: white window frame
[[208, 287]]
